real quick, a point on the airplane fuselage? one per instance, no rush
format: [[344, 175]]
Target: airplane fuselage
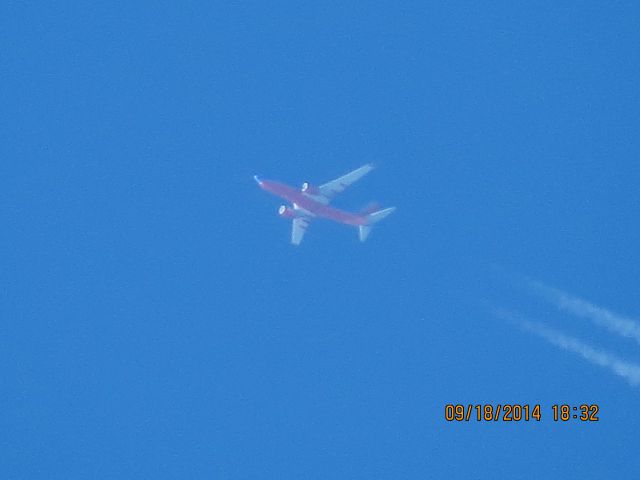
[[314, 207]]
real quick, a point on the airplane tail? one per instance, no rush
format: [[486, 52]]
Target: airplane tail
[[372, 218], [370, 208]]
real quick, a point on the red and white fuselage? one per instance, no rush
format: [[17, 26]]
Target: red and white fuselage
[[310, 206], [313, 202]]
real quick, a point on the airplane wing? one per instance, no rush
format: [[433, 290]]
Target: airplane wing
[[332, 188], [300, 225]]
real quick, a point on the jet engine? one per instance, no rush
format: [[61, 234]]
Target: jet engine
[[287, 212], [310, 189]]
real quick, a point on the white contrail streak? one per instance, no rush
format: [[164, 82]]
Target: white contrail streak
[[622, 368], [625, 327]]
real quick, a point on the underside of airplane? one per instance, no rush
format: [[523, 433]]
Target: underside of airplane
[[314, 202]]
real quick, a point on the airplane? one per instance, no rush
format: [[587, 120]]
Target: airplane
[[311, 202]]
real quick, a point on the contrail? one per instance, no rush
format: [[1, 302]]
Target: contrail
[[627, 370], [613, 322]]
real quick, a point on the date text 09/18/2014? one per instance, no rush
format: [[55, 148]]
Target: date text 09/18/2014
[[519, 412]]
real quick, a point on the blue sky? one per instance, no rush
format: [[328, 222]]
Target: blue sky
[[156, 322]]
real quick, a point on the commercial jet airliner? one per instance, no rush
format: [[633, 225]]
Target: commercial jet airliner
[[312, 201]]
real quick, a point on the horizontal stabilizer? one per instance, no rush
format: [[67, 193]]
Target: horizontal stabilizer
[[375, 217], [364, 231]]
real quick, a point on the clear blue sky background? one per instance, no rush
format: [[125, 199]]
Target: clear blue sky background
[[155, 320]]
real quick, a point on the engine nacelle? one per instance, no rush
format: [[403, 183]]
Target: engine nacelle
[[310, 189], [286, 212]]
